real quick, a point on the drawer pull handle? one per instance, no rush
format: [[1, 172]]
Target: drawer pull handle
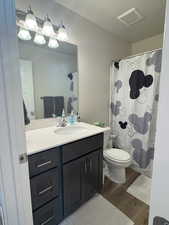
[[85, 167], [45, 190], [47, 221], [44, 164], [91, 165]]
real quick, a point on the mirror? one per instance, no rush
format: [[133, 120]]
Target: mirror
[[49, 79]]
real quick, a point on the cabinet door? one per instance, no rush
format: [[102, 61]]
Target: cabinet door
[[72, 185], [92, 175]]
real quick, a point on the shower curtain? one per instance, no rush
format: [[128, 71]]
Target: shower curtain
[[134, 101]]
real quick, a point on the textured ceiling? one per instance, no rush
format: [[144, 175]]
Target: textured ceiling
[[105, 13]]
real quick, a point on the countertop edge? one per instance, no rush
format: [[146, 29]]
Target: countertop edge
[[32, 152]]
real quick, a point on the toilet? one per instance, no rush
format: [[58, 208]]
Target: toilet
[[117, 160]]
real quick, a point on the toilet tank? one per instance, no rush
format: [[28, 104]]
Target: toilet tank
[[107, 140]]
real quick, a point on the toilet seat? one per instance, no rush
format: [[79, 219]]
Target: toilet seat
[[117, 155]]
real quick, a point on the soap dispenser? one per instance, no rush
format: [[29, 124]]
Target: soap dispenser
[[72, 118], [63, 119]]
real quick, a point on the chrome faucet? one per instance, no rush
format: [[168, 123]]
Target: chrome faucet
[[63, 121]]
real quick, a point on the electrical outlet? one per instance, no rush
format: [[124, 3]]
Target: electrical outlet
[[160, 221]]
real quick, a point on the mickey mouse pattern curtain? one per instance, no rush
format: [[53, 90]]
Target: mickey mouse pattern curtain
[[134, 101]]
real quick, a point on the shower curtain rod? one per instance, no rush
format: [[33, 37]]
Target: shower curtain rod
[[142, 53]]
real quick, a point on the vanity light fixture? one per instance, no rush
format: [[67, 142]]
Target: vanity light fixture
[[24, 34], [62, 33], [39, 39], [43, 29], [30, 20], [53, 43], [48, 27]]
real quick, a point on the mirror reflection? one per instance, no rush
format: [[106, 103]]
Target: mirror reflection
[[49, 79]]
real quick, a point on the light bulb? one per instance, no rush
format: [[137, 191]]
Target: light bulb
[[62, 34], [53, 43], [48, 27], [24, 34], [39, 39], [30, 20]]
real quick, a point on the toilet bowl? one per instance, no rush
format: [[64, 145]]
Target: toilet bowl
[[117, 161]]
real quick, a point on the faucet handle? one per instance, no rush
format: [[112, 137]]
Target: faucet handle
[[64, 122], [58, 121]]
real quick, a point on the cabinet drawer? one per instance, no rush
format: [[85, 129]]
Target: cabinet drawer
[[45, 187], [82, 147], [43, 161], [50, 214]]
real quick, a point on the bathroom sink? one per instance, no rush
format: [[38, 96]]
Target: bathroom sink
[[70, 130]]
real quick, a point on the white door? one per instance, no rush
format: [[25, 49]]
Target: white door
[[15, 198], [160, 183], [27, 87]]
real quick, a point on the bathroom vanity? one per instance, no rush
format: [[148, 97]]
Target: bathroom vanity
[[65, 169]]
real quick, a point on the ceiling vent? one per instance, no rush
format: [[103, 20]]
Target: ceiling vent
[[130, 17]]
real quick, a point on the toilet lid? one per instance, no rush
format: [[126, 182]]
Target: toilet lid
[[117, 154]]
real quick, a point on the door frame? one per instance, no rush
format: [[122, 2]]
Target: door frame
[[15, 197], [159, 203]]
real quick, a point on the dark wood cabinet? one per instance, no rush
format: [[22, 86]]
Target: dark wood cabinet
[[45, 187], [63, 178], [49, 214], [81, 180], [91, 176], [43, 161], [82, 147], [72, 185]]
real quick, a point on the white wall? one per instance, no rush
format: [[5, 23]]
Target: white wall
[[160, 184], [96, 49], [148, 44]]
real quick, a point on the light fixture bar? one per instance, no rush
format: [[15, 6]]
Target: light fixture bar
[[20, 23], [27, 22]]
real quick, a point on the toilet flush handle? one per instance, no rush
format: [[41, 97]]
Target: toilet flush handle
[[113, 136]]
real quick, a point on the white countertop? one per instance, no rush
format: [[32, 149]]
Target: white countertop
[[45, 138]]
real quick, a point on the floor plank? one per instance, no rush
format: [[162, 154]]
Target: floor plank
[[117, 194]]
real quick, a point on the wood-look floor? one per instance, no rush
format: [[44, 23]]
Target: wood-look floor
[[117, 194]]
